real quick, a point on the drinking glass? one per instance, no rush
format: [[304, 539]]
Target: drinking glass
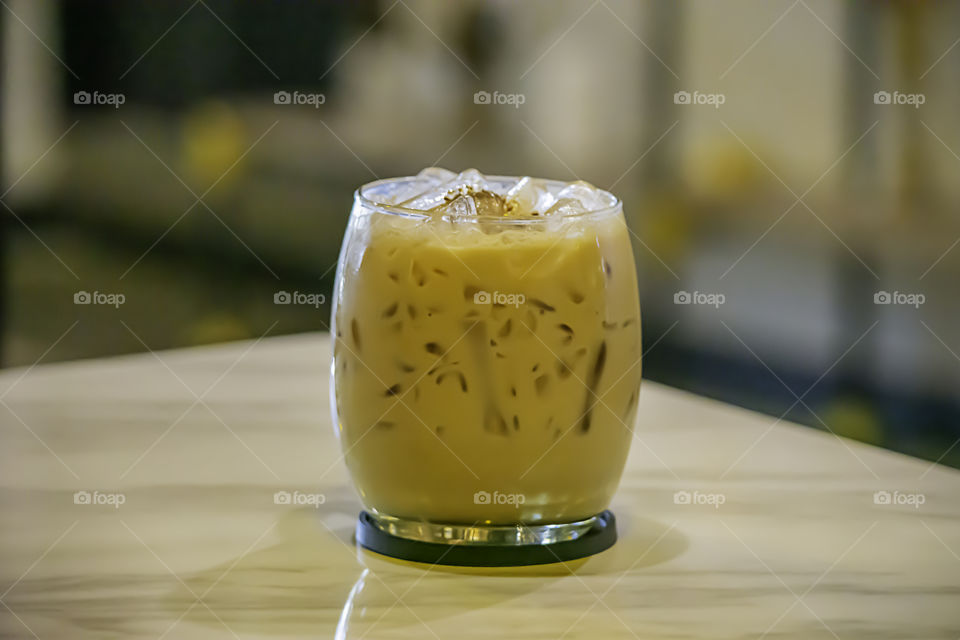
[[486, 370]]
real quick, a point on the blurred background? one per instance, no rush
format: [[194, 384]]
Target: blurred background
[[789, 170]]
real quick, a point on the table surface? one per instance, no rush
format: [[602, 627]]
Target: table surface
[[183, 451]]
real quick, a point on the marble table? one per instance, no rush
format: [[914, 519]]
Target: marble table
[[732, 524]]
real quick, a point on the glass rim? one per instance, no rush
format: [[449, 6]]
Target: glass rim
[[615, 204]]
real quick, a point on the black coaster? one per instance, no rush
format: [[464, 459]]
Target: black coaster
[[601, 536]]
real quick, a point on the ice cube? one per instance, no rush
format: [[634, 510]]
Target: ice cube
[[432, 197], [546, 201], [565, 207], [467, 202], [489, 203], [436, 175], [440, 191], [425, 183], [472, 178], [525, 197], [442, 186], [462, 206], [589, 197]]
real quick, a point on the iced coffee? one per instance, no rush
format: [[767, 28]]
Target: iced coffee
[[486, 348]]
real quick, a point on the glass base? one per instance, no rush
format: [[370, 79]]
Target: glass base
[[485, 545], [479, 534]]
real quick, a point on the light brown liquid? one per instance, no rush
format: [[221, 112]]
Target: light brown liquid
[[441, 395]]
